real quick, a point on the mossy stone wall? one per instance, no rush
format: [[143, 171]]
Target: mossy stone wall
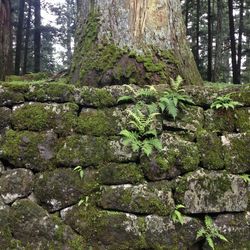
[[48, 129]]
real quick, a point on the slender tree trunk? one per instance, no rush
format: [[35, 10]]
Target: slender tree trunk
[[5, 36], [241, 24], [27, 38], [131, 41], [37, 36], [210, 45], [186, 12], [219, 42], [236, 80], [19, 37], [197, 47]]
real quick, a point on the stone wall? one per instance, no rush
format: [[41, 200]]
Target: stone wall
[[126, 199]]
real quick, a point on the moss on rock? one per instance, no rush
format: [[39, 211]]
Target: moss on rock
[[211, 192], [211, 150], [152, 198], [236, 152], [5, 114], [39, 116], [78, 150], [115, 173], [30, 150], [242, 120], [118, 231], [62, 188]]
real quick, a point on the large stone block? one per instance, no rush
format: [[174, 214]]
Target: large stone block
[[9, 97], [211, 192], [210, 147], [115, 173], [242, 120], [78, 150], [15, 184], [236, 152], [162, 233], [62, 188], [5, 114], [36, 229], [151, 198], [189, 118], [62, 118], [177, 157], [35, 151], [107, 230]]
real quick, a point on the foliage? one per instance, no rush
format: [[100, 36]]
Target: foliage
[[210, 232], [245, 178], [84, 201], [177, 215], [224, 102], [174, 98], [80, 170], [144, 135], [149, 92]]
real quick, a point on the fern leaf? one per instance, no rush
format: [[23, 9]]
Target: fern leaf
[[125, 98], [210, 242]]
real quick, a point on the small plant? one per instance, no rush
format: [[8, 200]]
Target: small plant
[[144, 135], [80, 170], [149, 92], [224, 102], [245, 178], [210, 232], [84, 201], [177, 215], [174, 98]]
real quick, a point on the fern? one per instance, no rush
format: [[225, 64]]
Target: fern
[[143, 137], [245, 178], [177, 215], [225, 102], [149, 92], [210, 232], [174, 98], [80, 170]]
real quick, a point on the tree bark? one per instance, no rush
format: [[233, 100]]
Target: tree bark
[[210, 45], [236, 80], [196, 55], [19, 37], [219, 42], [37, 36], [27, 38], [5, 36], [131, 41]]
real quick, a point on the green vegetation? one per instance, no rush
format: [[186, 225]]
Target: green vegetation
[[143, 93], [80, 170], [210, 232], [174, 98], [224, 102], [144, 135], [245, 178], [177, 215]]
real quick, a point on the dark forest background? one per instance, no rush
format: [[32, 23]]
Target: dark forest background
[[218, 31]]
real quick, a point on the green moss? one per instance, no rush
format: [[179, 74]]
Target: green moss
[[211, 150], [115, 174], [38, 117], [242, 121], [83, 150], [97, 97], [169, 56], [22, 149]]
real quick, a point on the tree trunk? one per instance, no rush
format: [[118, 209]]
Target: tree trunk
[[210, 45], [5, 36], [19, 37], [131, 41], [37, 36], [233, 42], [219, 42], [196, 55], [27, 38], [241, 27]]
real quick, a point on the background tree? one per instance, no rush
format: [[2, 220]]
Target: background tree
[[142, 42], [5, 36], [37, 36]]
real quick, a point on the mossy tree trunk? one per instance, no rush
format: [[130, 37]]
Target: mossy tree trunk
[[5, 37], [131, 41]]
